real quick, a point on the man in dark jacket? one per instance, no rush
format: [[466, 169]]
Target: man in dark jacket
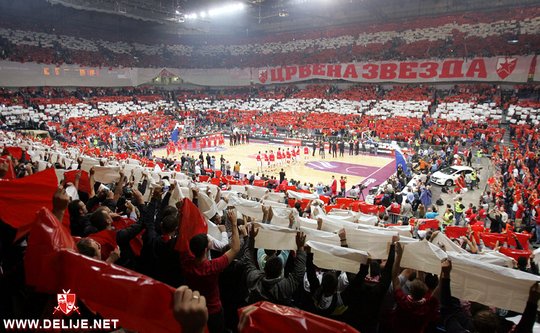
[[270, 284]]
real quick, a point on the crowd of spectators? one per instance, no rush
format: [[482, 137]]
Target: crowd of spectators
[[477, 34], [140, 222], [133, 119]]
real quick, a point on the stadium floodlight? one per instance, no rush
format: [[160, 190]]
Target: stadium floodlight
[[218, 11]]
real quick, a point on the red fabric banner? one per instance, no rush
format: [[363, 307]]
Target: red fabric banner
[[21, 198], [10, 174], [84, 181], [52, 265], [269, 317], [17, 152], [191, 223]]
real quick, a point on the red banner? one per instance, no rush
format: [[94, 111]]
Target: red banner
[[268, 317], [52, 265]]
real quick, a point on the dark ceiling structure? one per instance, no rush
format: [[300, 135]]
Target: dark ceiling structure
[[256, 17]]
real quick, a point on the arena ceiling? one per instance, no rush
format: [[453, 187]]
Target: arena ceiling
[[268, 16]]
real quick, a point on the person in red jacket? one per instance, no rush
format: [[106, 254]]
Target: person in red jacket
[[333, 187], [342, 183]]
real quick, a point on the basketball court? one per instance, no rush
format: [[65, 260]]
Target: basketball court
[[367, 169]]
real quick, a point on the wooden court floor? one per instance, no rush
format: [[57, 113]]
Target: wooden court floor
[[310, 169]]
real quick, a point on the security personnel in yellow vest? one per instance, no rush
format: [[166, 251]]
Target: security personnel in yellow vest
[[474, 180], [478, 156], [448, 216], [458, 210]]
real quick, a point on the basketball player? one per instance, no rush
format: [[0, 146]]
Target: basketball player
[[272, 158], [259, 162], [279, 156]]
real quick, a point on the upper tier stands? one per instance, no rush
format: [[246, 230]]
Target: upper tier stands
[[478, 34]]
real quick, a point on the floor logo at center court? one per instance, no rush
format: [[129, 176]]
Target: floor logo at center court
[[321, 165]]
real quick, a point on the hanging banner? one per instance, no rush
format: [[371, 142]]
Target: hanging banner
[[512, 69], [497, 69], [535, 69]]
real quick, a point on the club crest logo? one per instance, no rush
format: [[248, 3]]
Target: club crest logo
[[263, 76], [505, 66], [66, 303]]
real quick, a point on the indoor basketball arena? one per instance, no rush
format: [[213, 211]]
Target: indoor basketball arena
[[264, 166]]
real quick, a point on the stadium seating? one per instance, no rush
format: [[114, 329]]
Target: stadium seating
[[447, 36]]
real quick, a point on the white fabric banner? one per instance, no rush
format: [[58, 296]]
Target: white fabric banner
[[336, 257], [300, 196], [423, 256], [491, 285], [334, 223], [275, 196], [321, 236], [88, 163], [106, 174], [367, 219], [207, 206], [446, 243], [490, 257], [135, 171], [239, 189], [256, 191], [281, 216], [402, 230], [273, 204], [228, 194], [273, 237], [213, 230], [374, 242], [247, 207], [307, 223], [344, 215]]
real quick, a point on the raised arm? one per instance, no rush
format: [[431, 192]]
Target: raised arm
[[248, 258], [526, 323], [60, 202], [119, 187], [397, 266], [289, 285], [386, 274], [92, 183], [235, 238], [311, 274]]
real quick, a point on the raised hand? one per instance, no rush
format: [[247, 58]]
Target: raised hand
[[190, 310], [300, 240], [253, 231], [60, 200], [233, 217], [446, 267]]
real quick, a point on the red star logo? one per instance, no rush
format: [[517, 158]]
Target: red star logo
[[505, 66]]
